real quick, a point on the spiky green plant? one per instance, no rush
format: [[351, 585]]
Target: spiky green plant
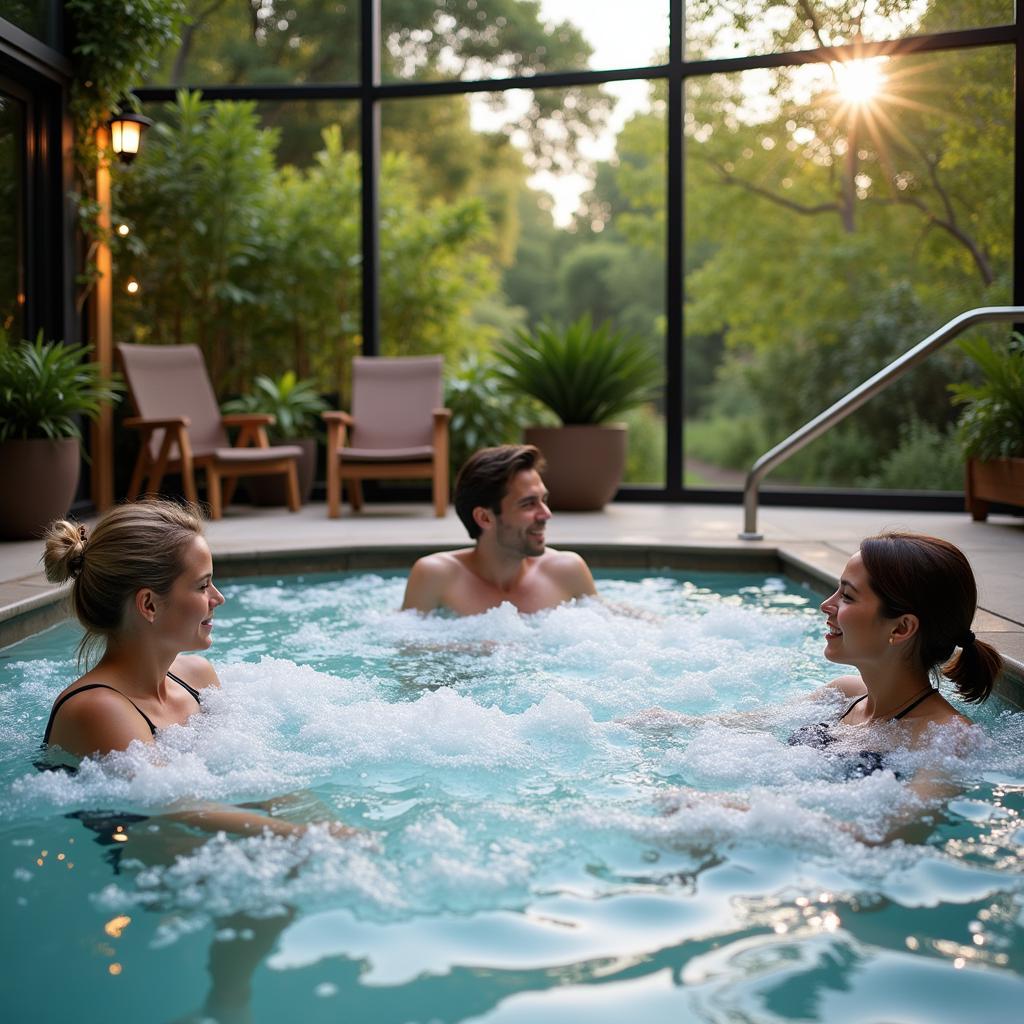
[[293, 403], [582, 373], [992, 421], [483, 412], [46, 385]]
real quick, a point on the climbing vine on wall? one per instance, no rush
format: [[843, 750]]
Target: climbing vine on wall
[[115, 43]]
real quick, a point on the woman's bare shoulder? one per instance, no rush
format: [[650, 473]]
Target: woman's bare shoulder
[[97, 721], [195, 670], [941, 712], [848, 686]]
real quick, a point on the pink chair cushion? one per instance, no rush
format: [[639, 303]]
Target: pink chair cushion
[[242, 456], [420, 452], [393, 401]]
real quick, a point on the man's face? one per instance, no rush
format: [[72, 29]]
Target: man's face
[[520, 525]]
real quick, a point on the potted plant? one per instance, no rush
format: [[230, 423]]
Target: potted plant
[[483, 412], [992, 425], [586, 376], [45, 386], [296, 407]]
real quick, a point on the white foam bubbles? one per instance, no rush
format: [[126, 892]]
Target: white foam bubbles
[[491, 756]]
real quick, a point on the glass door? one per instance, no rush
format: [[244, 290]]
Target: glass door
[[12, 217]]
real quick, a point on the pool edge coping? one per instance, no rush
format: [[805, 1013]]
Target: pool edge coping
[[43, 608]]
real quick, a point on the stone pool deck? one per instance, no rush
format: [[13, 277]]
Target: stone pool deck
[[809, 543]]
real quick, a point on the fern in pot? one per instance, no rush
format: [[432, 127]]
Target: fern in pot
[[296, 406], [586, 376], [46, 388]]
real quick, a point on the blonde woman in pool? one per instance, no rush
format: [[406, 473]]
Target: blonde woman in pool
[[142, 589]]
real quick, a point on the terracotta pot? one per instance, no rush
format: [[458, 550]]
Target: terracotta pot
[[272, 490], [584, 463], [38, 481], [1000, 480]]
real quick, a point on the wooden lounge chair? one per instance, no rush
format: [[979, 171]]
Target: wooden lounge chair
[[397, 430], [182, 429]]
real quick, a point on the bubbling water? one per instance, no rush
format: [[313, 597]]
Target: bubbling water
[[502, 761]]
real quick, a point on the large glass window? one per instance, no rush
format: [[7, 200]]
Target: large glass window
[[488, 230], [836, 215], [12, 217]]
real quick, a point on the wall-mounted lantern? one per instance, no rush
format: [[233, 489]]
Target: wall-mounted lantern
[[126, 135]]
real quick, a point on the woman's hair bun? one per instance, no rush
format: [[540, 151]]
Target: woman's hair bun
[[65, 548]]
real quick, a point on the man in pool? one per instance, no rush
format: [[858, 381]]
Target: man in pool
[[502, 501]]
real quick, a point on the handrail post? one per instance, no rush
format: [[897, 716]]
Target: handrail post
[[852, 401]]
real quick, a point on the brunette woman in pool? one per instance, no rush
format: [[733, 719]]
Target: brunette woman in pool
[[901, 616], [903, 608]]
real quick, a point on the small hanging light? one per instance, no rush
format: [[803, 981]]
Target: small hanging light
[[126, 135]]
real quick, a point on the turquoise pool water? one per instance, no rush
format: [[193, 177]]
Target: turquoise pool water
[[538, 847]]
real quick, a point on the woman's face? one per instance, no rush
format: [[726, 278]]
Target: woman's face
[[856, 630], [186, 611]]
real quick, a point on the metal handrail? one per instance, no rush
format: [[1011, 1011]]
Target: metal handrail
[[856, 398]]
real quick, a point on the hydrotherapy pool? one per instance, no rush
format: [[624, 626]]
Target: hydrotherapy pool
[[525, 859]]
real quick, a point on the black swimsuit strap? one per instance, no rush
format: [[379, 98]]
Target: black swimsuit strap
[[851, 707], [191, 689], [907, 710], [895, 718], [103, 686]]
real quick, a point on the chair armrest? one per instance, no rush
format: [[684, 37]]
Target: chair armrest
[[337, 417], [142, 423], [442, 414], [337, 424], [248, 419]]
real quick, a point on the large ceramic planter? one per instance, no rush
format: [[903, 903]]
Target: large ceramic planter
[[1001, 480], [584, 463], [38, 481], [273, 490]]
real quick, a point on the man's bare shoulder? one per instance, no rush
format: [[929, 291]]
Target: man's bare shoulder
[[430, 576], [446, 563], [569, 570]]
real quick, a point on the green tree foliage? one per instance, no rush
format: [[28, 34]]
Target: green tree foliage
[[777, 25], [826, 236], [260, 266], [200, 198], [256, 41]]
